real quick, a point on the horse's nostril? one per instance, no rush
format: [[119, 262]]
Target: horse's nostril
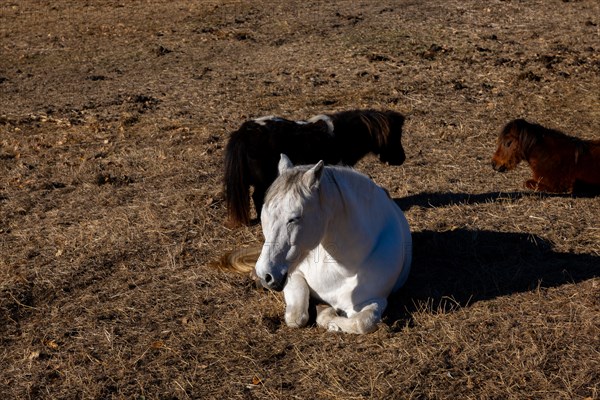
[[269, 278]]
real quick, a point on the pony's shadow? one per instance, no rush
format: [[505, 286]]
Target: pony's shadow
[[457, 268], [438, 199]]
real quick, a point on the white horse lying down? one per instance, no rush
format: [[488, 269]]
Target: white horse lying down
[[332, 234]]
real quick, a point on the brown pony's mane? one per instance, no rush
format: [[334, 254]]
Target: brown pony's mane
[[530, 135], [527, 138]]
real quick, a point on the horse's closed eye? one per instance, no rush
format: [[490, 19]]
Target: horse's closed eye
[[293, 220], [507, 144]]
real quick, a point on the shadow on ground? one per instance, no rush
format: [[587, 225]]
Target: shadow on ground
[[460, 267], [436, 199]]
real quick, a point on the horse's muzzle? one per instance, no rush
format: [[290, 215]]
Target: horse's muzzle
[[275, 281], [498, 167], [396, 159]]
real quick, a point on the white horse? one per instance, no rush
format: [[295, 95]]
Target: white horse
[[332, 234]]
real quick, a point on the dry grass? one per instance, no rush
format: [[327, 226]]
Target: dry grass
[[113, 119]]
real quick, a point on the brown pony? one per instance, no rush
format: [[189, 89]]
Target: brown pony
[[253, 151], [560, 163]]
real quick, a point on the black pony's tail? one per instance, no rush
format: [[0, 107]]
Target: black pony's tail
[[237, 186]]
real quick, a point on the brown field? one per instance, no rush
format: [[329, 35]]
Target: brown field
[[113, 119]]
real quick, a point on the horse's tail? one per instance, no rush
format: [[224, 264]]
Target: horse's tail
[[240, 260], [237, 182]]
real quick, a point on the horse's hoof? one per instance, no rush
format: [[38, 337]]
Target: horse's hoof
[[534, 185], [297, 321], [325, 314], [333, 327]]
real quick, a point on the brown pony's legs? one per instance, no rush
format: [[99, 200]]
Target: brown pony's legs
[[540, 186], [534, 185]]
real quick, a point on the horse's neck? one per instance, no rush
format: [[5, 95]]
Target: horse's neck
[[545, 147], [353, 224], [528, 141]]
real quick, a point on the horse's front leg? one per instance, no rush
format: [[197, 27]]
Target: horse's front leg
[[364, 321], [538, 185], [297, 295]]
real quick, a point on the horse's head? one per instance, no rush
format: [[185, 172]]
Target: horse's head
[[387, 127], [393, 152], [292, 221], [509, 152]]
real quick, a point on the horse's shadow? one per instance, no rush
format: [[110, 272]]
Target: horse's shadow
[[438, 199], [458, 268]]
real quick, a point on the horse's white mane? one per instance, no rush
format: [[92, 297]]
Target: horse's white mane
[[290, 182]]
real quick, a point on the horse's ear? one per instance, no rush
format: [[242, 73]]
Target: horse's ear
[[312, 177], [284, 164]]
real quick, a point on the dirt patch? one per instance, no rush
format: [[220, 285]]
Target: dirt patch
[[113, 120]]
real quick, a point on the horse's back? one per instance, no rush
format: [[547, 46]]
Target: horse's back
[[407, 250], [391, 256], [395, 253], [361, 273], [258, 144]]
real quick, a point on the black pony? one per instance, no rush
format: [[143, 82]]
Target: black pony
[[253, 151]]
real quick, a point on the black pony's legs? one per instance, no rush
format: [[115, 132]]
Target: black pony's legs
[[258, 197]]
